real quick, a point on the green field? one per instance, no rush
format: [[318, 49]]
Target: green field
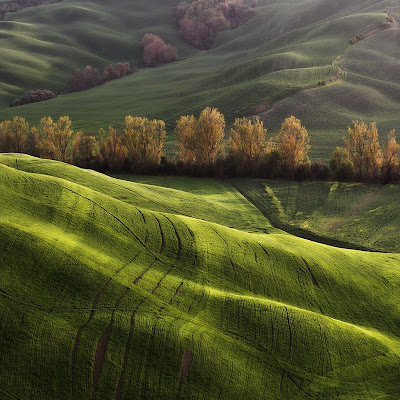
[[260, 67], [354, 215], [176, 288]]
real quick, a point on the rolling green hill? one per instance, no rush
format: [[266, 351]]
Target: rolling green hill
[[271, 65], [181, 289]]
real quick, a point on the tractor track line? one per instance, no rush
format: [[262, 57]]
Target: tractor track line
[[141, 242], [91, 316], [176, 293], [125, 358], [178, 256], [162, 235], [101, 348]]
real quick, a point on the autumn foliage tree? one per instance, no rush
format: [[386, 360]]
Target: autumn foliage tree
[[52, 138], [201, 140], [84, 79], [85, 150], [391, 161], [340, 164], [144, 140], [364, 150], [293, 144], [118, 71], [200, 20], [62, 136], [13, 135], [113, 151], [43, 138], [248, 142], [156, 51], [186, 132]]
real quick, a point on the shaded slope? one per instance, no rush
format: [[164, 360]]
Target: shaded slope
[[354, 215], [368, 90], [101, 299]]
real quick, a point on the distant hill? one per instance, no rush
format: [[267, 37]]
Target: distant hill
[[280, 62]]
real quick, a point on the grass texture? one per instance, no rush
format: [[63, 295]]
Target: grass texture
[[150, 288]]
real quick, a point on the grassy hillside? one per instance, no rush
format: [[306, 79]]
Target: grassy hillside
[[361, 215], [108, 292], [368, 91], [286, 47]]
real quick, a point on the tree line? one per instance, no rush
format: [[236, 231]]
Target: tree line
[[203, 149]]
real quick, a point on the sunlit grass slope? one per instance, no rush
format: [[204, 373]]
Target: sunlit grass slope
[[286, 46], [103, 295]]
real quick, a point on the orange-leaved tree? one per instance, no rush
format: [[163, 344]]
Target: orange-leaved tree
[[248, 140], [364, 149], [293, 143], [62, 136], [113, 151], [85, 149], [13, 135], [390, 160], [201, 140], [53, 137], [43, 135], [144, 140], [6, 140], [186, 132]]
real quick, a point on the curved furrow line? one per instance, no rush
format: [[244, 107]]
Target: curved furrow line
[[178, 256], [298, 386], [162, 235], [9, 394], [138, 278], [91, 316], [141, 242], [102, 344], [162, 278], [313, 278], [227, 249], [125, 358], [175, 294]]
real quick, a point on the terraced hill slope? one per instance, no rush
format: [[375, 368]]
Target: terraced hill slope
[[271, 65], [108, 292]]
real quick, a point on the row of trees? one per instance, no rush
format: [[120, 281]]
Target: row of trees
[[203, 150], [155, 52], [34, 96], [363, 156], [89, 77], [200, 20]]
